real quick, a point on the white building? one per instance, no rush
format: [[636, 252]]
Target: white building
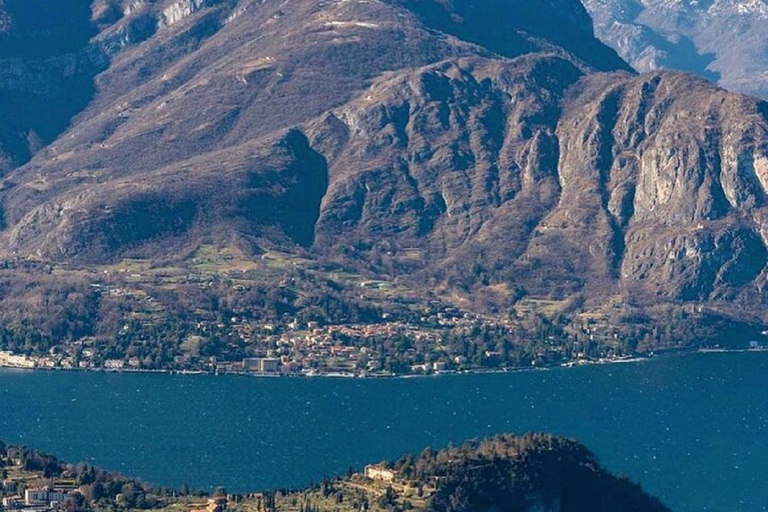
[[114, 364], [261, 364], [8, 359], [10, 502], [42, 496], [377, 472]]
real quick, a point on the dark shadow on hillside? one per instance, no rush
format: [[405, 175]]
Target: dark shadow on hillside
[[43, 28], [286, 199], [49, 77]]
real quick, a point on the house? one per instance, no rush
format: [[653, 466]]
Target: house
[[379, 472], [65, 485], [42, 496], [217, 504], [114, 364], [14, 361], [10, 502], [261, 364]]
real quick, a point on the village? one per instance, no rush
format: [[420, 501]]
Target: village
[[290, 349], [443, 340], [372, 328], [25, 489], [45, 495]]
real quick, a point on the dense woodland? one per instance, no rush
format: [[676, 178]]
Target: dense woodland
[[533, 472]]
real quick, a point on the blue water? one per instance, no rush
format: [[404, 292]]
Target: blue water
[[691, 429]]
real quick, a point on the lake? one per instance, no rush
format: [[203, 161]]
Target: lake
[[692, 429]]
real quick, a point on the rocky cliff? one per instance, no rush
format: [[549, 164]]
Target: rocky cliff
[[552, 181]]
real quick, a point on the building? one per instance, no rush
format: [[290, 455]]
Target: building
[[218, 504], [13, 361], [42, 496], [114, 364], [378, 472], [10, 502], [261, 364], [65, 485]]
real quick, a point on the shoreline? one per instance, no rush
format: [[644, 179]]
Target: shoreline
[[342, 375]]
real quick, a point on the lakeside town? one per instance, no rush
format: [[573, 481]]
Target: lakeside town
[[444, 340], [220, 314]]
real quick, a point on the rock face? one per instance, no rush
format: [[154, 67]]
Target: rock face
[[483, 154], [722, 40], [651, 184]]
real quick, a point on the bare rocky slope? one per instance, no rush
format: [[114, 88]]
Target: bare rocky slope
[[475, 150], [722, 40]]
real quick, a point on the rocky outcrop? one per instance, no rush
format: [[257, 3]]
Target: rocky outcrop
[[575, 184], [179, 10]]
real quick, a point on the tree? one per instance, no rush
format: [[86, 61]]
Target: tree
[[388, 498], [97, 491]]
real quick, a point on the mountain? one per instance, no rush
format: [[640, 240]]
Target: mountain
[[473, 151], [722, 40], [175, 101], [504, 473]]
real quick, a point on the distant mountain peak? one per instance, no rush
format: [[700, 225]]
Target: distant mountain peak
[[721, 40]]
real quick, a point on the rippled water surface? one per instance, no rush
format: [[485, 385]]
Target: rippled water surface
[[691, 429]]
